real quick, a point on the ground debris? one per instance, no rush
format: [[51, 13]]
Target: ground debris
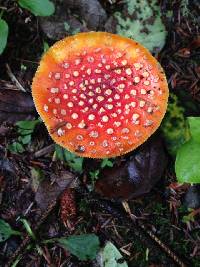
[[60, 24], [136, 176], [15, 106], [192, 197], [68, 208], [91, 12], [47, 192]]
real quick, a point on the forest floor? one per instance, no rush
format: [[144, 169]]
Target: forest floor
[[159, 225]]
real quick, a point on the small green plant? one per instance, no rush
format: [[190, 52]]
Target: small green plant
[[6, 231], [106, 163], [187, 165], [190, 217], [23, 67], [94, 175], [36, 7], [84, 246], [73, 161], [66, 26], [32, 235], [25, 130]]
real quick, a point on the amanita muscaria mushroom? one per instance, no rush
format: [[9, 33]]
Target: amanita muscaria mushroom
[[99, 94]]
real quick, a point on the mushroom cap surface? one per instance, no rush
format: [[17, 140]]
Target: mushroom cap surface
[[100, 95]]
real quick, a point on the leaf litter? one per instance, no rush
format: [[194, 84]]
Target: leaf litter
[[161, 207]]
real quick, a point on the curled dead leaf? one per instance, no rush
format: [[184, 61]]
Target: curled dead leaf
[[48, 192], [136, 176]]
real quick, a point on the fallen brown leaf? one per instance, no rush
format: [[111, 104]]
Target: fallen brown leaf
[[136, 176], [15, 105], [48, 192]]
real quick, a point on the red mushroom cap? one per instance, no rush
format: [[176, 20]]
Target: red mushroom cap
[[99, 94]]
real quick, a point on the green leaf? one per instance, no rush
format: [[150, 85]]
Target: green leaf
[[45, 47], [24, 131], [106, 163], [28, 228], [24, 139], [3, 35], [77, 165], [194, 123], [16, 148], [38, 7], [75, 31], [66, 26], [111, 257], [59, 153], [37, 176], [94, 175], [27, 125], [23, 67], [187, 165], [146, 27], [6, 231], [188, 218], [16, 262], [73, 161], [83, 246]]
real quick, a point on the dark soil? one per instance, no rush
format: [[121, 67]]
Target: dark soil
[[155, 234]]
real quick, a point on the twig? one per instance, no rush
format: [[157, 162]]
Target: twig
[[14, 79], [117, 213], [44, 151], [166, 249]]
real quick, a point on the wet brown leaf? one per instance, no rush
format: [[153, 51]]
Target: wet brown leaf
[[90, 11], [15, 106], [60, 24], [48, 192], [138, 175]]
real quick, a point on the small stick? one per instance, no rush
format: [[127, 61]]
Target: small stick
[[14, 79], [44, 151], [57, 126], [167, 250]]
